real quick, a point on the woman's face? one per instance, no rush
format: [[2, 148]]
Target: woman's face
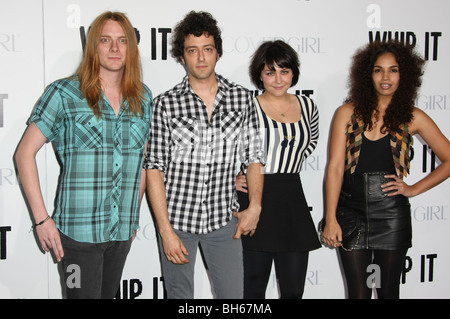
[[386, 75], [276, 82]]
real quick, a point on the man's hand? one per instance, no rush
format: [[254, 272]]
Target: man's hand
[[247, 222], [49, 238], [175, 250]]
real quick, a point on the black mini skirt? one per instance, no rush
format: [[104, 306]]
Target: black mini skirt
[[386, 220], [285, 223]]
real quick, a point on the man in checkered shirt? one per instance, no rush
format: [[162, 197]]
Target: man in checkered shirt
[[201, 131]]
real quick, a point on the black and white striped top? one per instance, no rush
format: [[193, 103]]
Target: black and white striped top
[[286, 145]]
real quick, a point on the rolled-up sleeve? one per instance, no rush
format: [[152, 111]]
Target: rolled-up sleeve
[[47, 112], [157, 154], [252, 146]]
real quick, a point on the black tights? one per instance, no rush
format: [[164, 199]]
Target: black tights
[[290, 269], [355, 264]]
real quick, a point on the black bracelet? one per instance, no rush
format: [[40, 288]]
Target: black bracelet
[[39, 224]]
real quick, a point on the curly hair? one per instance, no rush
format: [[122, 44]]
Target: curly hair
[[363, 94], [270, 53], [196, 23]]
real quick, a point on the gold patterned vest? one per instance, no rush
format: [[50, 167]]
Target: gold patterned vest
[[401, 145]]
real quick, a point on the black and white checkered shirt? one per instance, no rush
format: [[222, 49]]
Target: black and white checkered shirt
[[200, 157]]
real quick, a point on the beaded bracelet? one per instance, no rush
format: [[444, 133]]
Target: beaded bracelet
[[38, 224]]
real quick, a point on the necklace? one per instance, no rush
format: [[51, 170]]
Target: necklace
[[282, 113], [273, 107]]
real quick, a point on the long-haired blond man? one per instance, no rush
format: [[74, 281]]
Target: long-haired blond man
[[98, 121]]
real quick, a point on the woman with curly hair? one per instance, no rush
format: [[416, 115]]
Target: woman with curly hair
[[370, 146]]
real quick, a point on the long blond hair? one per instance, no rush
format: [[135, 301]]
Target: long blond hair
[[89, 69]]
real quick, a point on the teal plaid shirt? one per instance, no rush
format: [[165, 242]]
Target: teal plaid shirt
[[101, 161]]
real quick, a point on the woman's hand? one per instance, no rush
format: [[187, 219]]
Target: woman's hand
[[397, 187], [332, 234], [241, 182]]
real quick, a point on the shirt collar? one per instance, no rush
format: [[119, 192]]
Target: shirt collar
[[223, 85], [107, 108]]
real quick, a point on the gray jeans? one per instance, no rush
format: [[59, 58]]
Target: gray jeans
[[223, 257]]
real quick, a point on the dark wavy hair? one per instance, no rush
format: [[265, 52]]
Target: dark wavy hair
[[270, 53], [362, 92], [196, 23]]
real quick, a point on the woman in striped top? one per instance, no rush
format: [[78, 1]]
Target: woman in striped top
[[289, 127]]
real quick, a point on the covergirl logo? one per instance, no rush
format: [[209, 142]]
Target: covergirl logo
[[430, 213], [436, 102], [247, 44], [9, 43]]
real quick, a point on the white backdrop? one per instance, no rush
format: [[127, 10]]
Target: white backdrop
[[40, 42]]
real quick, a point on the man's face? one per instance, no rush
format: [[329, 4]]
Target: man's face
[[200, 56], [112, 49]]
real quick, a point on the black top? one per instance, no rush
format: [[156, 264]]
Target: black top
[[375, 156]]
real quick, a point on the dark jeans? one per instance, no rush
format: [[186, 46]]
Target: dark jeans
[[93, 271]]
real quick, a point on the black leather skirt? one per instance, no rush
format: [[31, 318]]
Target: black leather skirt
[[386, 220]]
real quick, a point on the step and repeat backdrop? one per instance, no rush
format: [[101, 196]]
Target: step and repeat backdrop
[[41, 41]]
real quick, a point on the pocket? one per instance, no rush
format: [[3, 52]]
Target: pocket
[[88, 131], [184, 131], [139, 130], [230, 125]]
